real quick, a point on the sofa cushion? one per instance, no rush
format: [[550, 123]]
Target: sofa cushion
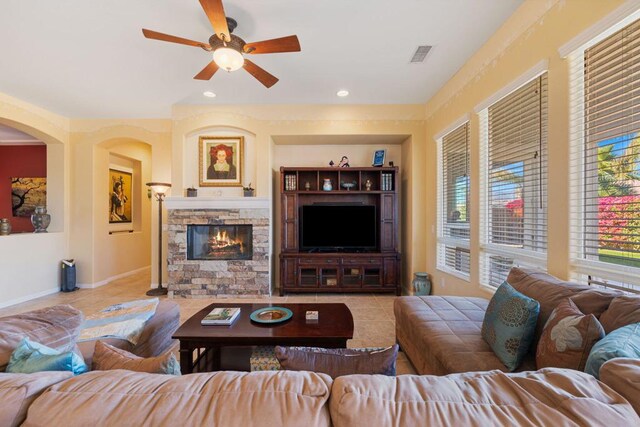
[[107, 357], [30, 357], [623, 376], [623, 342], [118, 398], [623, 310], [509, 325], [56, 327], [19, 390], [549, 397], [567, 338], [550, 291], [339, 361], [441, 334]]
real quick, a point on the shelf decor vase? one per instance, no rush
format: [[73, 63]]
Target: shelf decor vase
[[5, 227], [326, 185], [421, 284], [40, 220]]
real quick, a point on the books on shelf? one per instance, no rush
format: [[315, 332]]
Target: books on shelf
[[221, 316], [290, 183], [387, 182]]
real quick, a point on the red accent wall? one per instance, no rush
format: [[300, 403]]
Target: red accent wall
[[19, 161]]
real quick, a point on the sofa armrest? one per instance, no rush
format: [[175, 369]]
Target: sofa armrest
[[623, 375]]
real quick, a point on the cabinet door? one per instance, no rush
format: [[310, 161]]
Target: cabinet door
[[352, 276], [388, 223], [288, 272], [391, 273], [289, 222], [308, 276]]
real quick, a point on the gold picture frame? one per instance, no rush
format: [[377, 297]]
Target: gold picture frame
[[221, 161], [120, 195]]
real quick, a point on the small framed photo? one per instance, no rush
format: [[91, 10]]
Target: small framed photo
[[378, 158], [221, 161]]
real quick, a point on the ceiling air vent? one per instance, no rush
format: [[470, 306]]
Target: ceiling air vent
[[420, 53]]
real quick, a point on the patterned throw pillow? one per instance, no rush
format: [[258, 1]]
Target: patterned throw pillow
[[509, 325], [567, 338]]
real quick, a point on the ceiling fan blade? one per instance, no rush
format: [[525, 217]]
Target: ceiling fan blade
[[283, 44], [173, 39], [207, 72], [215, 13], [263, 77]]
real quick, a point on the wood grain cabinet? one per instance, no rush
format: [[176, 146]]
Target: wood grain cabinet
[[373, 270]]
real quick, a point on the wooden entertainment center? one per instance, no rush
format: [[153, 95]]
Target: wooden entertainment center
[[347, 270]]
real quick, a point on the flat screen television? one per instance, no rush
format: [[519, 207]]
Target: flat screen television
[[338, 227]]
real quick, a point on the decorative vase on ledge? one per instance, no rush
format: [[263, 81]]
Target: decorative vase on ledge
[[192, 192], [40, 220], [249, 193], [5, 227], [421, 284]]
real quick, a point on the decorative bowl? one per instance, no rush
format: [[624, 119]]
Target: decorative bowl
[[348, 185]]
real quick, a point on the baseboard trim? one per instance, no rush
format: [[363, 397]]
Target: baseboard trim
[[29, 297], [111, 279]]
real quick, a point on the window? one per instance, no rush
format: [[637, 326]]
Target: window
[[453, 202], [605, 117], [514, 182]]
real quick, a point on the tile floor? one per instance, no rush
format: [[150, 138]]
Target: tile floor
[[372, 313]]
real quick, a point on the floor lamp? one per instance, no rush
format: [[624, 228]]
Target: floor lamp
[[159, 189]]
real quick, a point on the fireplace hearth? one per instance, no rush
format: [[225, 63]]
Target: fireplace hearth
[[219, 242], [218, 247]]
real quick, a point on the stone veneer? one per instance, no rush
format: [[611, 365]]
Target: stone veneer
[[226, 278]]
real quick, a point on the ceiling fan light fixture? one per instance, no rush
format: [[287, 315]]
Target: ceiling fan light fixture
[[228, 59]]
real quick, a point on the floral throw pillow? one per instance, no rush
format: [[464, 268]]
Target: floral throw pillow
[[509, 325], [567, 338]]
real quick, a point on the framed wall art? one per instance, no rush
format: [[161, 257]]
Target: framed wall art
[[221, 160], [120, 182], [26, 194]]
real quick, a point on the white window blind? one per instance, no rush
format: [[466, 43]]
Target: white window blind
[[453, 202], [605, 160], [514, 182]]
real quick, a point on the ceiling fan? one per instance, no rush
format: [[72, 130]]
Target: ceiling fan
[[227, 48]]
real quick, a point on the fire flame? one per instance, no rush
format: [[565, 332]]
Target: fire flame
[[222, 240]]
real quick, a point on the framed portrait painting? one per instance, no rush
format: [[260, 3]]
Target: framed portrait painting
[[120, 181], [221, 161]]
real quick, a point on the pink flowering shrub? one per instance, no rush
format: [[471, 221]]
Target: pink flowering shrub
[[619, 223]]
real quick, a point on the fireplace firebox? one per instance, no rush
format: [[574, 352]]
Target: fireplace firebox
[[219, 242]]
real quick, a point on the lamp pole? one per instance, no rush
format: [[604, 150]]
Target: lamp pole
[[159, 190]]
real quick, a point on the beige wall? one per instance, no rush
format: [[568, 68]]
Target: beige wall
[[145, 146], [533, 33], [29, 263]]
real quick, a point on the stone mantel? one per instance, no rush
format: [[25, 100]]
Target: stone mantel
[[217, 203]]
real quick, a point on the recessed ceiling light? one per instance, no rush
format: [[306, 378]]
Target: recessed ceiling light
[[342, 93], [209, 94]]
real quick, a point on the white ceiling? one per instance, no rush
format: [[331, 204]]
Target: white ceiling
[[11, 136], [88, 58]]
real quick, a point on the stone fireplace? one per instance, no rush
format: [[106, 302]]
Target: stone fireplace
[[218, 247]]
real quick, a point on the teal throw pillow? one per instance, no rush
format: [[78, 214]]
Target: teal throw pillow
[[509, 325], [30, 357], [622, 342]]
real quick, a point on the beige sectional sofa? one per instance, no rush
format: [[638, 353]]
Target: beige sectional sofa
[[442, 334], [285, 398]]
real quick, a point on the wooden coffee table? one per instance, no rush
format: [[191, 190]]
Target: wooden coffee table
[[200, 345]]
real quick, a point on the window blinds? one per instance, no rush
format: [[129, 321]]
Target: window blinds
[[605, 120], [453, 202], [514, 188]]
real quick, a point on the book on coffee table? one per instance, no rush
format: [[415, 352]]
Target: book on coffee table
[[221, 316]]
